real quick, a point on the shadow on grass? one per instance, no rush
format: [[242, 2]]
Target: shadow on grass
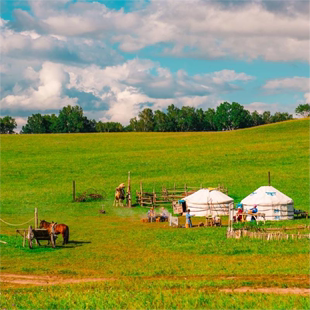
[[73, 244]]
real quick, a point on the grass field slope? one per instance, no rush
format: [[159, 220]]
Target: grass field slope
[[151, 265]]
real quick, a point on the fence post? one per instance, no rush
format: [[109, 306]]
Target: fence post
[[129, 192], [73, 190], [36, 221]]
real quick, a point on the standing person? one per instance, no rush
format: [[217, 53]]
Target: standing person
[[164, 215], [188, 218], [253, 211], [239, 212], [151, 215]]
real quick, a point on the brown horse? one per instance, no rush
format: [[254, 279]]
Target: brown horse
[[58, 229]]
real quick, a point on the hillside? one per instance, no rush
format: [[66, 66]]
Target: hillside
[[148, 265], [39, 169]]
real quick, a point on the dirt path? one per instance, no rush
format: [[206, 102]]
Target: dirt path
[[269, 290], [45, 280], [19, 279]]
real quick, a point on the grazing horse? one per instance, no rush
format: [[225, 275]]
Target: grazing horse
[[58, 229], [119, 195]]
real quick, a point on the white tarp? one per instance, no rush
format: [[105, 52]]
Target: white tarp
[[205, 202], [269, 200]]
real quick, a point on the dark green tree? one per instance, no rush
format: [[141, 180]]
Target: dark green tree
[[266, 117], [7, 125], [280, 117], [71, 119], [209, 120], [173, 114], [36, 123], [146, 119], [303, 110], [109, 127], [160, 119], [257, 119], [187, 120]]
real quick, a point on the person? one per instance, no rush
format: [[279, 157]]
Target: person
[[238, 216], [164, 215], [239, 212], [188, 218], [253, 211], [151, 215]]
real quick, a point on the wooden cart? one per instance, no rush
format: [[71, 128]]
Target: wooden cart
[[38, 235]]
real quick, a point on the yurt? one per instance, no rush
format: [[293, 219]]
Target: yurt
[[272, 202], [208, 202]]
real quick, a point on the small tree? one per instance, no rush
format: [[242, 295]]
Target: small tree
[[303, 110], [7, 125]]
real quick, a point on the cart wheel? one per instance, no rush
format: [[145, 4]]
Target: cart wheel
[[30, 233]]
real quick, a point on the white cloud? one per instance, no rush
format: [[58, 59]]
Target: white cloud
[[204, 29], [128, 87], [121, 91], [260, 107], [295, 83], [46, 93]]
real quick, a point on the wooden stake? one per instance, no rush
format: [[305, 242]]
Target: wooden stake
[[36, 220], [24, 240], [73, 190], [128, 192], [141, 192]]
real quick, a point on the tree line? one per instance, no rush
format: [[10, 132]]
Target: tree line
[[226, 116]]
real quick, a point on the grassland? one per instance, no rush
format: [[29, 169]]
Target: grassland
[[151, 264]]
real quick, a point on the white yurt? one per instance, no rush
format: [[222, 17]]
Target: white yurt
[[272, 202], [208, 202]]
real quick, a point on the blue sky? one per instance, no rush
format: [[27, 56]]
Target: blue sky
[[116, 57]]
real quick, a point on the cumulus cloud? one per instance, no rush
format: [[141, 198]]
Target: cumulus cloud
[[120, 91], [46, 92], [129, 87], [276, 31], [293, 84], [63, 52]]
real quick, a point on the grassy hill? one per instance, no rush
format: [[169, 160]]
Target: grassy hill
[[37, 171]]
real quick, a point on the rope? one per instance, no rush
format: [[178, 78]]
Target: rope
[[15, 224]]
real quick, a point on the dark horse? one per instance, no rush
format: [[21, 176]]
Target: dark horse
[[58, 229]]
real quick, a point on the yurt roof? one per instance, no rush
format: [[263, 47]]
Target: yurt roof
[[267, 195], [206, 196]]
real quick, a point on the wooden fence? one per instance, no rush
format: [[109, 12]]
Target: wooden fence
[[237, 234], [168, 195]]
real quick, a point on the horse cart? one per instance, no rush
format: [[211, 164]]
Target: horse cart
[[38, 235]]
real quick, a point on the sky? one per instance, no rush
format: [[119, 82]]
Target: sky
[[115, 58]]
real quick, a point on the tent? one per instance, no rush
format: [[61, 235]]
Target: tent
[[208, 202], [272, 202]]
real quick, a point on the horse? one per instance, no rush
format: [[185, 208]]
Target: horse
[[58, 229], [119, 195]]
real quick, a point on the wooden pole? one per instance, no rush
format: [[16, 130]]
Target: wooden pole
[[36, 220], [129, 192], [24, 239], [141, 193], [268, 178], [154, 196], [73, 190]]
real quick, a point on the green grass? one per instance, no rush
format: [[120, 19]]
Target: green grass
[[146, 295], [37, 171]]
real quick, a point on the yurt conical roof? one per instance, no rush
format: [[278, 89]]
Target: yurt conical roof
[[266, 196], [206, 196]]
